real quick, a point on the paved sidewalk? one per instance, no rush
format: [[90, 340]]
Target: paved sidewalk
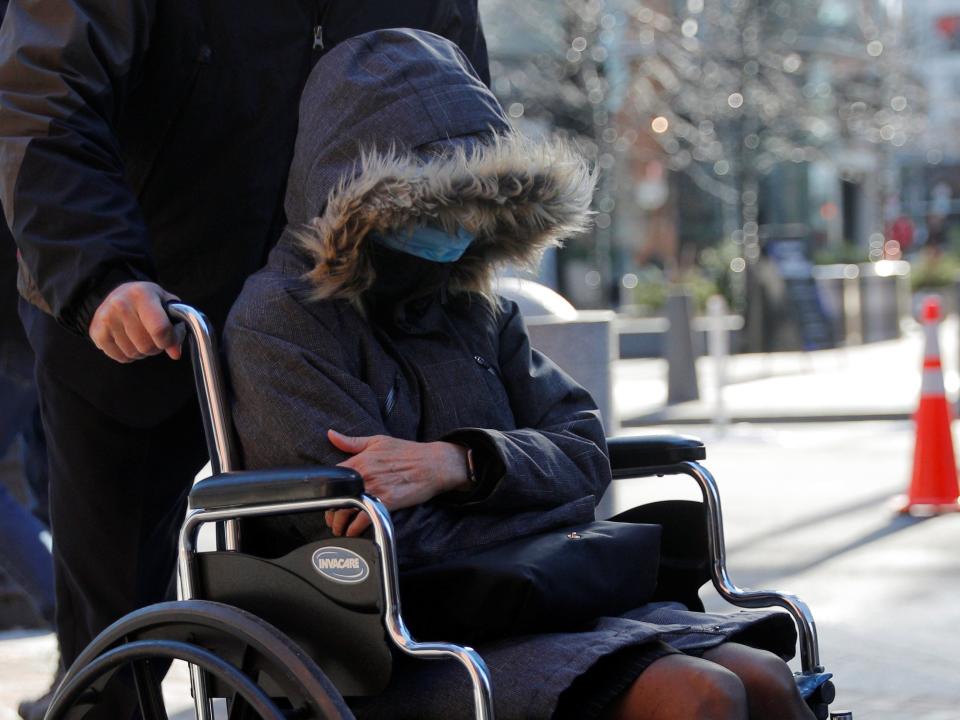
[[879, 381], [28, 661]]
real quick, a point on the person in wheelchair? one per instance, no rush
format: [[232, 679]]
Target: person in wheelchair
[[374, 339]]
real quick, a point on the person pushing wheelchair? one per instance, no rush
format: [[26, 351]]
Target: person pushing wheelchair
[[374, 339]]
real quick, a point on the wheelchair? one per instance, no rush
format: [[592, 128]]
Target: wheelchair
[[291, 637]]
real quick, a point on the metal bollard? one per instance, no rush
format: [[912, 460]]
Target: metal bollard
[[718, 341], [681, 360], [852, 313]]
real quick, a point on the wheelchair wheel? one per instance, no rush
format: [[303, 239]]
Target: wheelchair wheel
[[260, 671]]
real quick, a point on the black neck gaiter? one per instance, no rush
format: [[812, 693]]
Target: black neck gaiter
[[400, 279]]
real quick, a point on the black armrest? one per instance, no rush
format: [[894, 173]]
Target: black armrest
[[644, 454], [260, 487]]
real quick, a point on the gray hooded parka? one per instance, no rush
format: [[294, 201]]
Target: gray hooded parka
[[389, 123]]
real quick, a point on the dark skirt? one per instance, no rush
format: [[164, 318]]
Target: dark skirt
[[590, 695], [572, 674]]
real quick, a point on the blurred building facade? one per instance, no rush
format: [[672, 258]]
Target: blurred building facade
[[711, 120], [930, 171]]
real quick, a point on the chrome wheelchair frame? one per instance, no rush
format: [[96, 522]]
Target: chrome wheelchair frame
[[148, 633]]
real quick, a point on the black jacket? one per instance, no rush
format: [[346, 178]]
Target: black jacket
[[151, 140]]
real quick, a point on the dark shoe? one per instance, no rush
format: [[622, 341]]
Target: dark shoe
[[36, 709]]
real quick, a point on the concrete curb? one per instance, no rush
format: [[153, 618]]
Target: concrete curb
[[667, 418]]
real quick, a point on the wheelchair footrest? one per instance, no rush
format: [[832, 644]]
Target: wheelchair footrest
[[818, 692], [265, 487], [809, 683]]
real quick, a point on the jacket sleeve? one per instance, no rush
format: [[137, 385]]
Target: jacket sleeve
[[65, 68], [286, 397], [558, 452]]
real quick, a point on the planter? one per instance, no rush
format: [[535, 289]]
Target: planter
[[884, 298], [839, 289], [865, 302], [580, 342]]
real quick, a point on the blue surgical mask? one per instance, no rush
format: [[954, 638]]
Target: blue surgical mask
[[429, 243]]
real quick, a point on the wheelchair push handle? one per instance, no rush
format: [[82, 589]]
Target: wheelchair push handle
[[208, 378]]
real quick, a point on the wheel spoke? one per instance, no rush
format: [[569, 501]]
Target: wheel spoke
[[149, 693], [239, 710]]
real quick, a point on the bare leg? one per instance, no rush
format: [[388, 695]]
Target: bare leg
[[771, 690], [679, 687]]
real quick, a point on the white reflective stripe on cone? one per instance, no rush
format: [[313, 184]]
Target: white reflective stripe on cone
[[931, 335], [932, 384]]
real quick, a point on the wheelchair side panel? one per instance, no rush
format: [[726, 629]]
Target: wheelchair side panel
[[326, 596]]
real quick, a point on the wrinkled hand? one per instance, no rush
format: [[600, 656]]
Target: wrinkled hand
[[131, 324], [401, 473]]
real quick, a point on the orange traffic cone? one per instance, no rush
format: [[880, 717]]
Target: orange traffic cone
[[933, 487]]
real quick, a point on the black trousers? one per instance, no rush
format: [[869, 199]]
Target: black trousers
[[117, 501]]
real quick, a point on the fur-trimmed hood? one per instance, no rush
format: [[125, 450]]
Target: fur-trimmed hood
[[515, 196], [417, 140]]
